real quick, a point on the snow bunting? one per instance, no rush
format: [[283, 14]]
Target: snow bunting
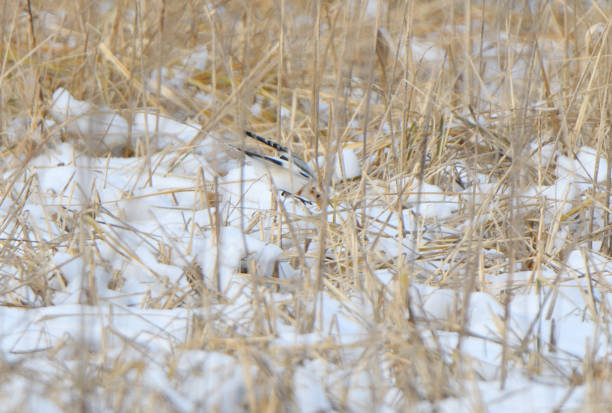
[[288, 172]]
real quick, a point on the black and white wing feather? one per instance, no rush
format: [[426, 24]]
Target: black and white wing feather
[[288, 172]]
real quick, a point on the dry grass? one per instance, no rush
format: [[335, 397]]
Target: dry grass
[[448, 123]]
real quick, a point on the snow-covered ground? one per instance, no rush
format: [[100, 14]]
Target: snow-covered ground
[[149, 219]]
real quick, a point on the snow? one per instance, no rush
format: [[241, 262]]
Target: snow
[[101, 125], [311, 397], [204, 379], [431, 201], [346, 166], [98, 125]]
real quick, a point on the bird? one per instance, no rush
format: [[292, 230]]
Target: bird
[[288, 172]]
